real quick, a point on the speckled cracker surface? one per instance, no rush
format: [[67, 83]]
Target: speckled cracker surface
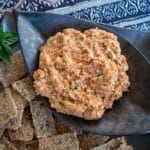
[[2, 147], [114, 144], [20, 145], [87, 141], [7, 143], [2, 129], [8, 108], [32, 145], [25, 88], [25, 132], [15, 123], [67, 141], [42, 118], [13, 72], [61, 128]]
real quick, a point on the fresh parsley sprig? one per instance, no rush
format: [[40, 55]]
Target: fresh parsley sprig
[[6, 40]]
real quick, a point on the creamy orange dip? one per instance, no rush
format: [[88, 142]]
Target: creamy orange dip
[[82, 73]]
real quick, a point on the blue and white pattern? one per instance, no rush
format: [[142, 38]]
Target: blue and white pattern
[[134, 14], [7, 4]]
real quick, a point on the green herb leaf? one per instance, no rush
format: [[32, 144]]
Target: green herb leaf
[[99, 73], [6, 40], [61, 68], [9, 38], [4, 56], [76, 86], [1, 29], [7, 48]]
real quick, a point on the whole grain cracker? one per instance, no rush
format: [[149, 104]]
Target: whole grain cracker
[[2, 147], [25, 132], [89, 140], [116, 144], [20, 145], [67, 141], [61, 128], [8, 108], [25, 88], [7, 143], [32, 145], [42, 118], [13, 72], [15, 123], [2, 129]]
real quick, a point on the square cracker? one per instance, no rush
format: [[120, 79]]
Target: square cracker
[[8, 108], [26, 131], [42, 118], [67, 141], [89, 140], [13, 72], [7, 143], [25, 88], [15, 123], [117, 144]]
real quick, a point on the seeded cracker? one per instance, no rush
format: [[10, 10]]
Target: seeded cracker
[[25, 88], [114, 144], [7, 143], [26, 132], [67, 141], [8, 108], [15, 123], [87, 141], [42, 118], [13, 72]]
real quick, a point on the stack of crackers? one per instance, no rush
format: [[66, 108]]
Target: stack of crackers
[[26, 122]]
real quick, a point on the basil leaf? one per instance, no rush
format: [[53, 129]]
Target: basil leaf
[[9, 38], [1, 29], [6, 40], [7, 48], [4, 56]]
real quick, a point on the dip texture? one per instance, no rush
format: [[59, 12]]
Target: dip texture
[[82, 73]]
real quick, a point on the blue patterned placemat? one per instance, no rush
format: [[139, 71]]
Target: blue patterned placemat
[[133, 14]]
